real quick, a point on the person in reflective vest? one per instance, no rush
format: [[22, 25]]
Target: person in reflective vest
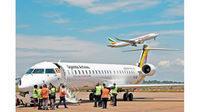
[[97, 95], [52, 94], [39, 91], [114, 94], [62, 97], [111, 97], [45, 94], [105, 96], [35, 95], [54, 90]]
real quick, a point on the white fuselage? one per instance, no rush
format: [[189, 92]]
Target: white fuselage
[[138, 40], [81, 76]]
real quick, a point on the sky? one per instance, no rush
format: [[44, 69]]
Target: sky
[[77, 31]]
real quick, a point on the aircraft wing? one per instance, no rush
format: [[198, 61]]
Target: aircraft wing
[[130, 41], [129, 86]]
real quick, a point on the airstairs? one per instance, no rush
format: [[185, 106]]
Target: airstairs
[[70, 94]]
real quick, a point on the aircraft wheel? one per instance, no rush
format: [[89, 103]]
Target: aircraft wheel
[[130, 97], [91, 96], [125, 96]]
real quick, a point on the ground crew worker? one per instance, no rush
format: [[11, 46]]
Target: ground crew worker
[[97, 95], [114, 94], [45, 94], [40, 98], [54, 89], [52, 95], [111, 97], [62, 96], [35, 95], [105, 96]]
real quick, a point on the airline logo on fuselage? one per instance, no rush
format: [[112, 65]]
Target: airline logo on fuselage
[[78, 67]]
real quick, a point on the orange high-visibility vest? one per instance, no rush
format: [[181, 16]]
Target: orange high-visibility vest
[[61, 93], [45, 93], [105, 93]]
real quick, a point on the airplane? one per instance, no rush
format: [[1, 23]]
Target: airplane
[[84, 76], [132, 42]]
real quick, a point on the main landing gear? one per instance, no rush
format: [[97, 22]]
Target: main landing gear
[[128, 96]]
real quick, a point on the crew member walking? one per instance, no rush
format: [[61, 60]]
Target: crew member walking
[[114, 94], [105, 96], [35, 95], [40, 98], [45, 94], [62, 96], [97, 95]]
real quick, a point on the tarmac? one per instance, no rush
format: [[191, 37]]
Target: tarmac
[[142, 102]]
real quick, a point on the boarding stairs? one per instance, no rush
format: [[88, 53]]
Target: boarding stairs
[[71, 95], [71, 91]]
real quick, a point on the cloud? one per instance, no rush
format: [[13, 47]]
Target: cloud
[[61, 21], [163, 32], [174, 8], [81, 3], [23, 26], [174, 11], [167, 63], [66, 46], [51, 14], [99, 7], [154, 44], [110, 27]]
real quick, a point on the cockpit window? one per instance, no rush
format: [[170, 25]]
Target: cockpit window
[[29, 71], [38, 71], [49, 71]]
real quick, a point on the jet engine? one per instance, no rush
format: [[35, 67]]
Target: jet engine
[[148, 69]]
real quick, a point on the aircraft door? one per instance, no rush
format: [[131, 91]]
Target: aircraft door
[[62, 74]]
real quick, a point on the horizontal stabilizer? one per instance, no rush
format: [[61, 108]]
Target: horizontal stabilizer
[[110, 46], [160, 49]]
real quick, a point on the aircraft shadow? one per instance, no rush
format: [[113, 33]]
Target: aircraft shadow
[[138, 99]]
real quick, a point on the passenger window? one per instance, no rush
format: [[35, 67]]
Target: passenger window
[[38, 71], [89, 71], [83, 72], [86, 72], [50, 71], [79, 72], [29, 71], [75, 72]]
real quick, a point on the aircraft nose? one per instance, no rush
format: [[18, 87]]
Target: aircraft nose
[[23, 87]]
